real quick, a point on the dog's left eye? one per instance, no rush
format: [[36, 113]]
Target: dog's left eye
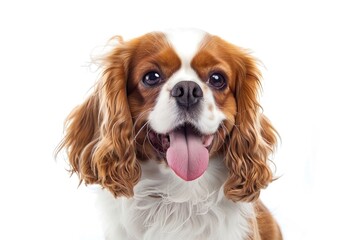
[[217, 81], [152, 78]]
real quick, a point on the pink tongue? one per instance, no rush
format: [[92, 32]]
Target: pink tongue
[[187, 155]]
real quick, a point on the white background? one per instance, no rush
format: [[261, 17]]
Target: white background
[[310, 52]]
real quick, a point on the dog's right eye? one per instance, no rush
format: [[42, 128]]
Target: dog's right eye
[[152, 78]]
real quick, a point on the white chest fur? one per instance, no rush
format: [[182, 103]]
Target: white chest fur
[[166, 207]]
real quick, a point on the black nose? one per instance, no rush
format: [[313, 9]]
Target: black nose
[[187, 93]]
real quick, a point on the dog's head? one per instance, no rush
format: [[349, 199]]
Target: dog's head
[[180, 98]]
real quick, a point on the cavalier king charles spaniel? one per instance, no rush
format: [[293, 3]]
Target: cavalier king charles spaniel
[[175, 136]]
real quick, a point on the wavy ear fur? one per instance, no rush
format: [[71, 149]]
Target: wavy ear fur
[[99, 137], [252, 139]]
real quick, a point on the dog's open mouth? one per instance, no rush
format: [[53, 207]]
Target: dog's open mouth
[[186, 150]]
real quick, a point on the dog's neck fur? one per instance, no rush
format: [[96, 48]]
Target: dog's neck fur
[[166, 207]]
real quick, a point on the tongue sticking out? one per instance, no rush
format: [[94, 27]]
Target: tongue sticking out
[[187, 155]]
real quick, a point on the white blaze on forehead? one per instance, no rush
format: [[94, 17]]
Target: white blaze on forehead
[[186, 42]]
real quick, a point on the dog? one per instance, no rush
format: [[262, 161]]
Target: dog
[[175, 136]]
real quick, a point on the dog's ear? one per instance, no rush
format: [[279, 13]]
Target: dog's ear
[[252, 139], [99, 133], [82, 134]]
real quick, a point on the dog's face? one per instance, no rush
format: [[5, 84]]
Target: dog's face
[[180, 87], [179, 97]]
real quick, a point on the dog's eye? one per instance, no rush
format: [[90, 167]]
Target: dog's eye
[[152, 78], [217, 81]]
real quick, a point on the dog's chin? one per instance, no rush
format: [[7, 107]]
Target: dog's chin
[[185, 149]]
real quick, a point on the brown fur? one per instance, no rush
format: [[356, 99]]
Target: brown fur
[[106, 136], [264, 226], [99, 132], [250, 136]]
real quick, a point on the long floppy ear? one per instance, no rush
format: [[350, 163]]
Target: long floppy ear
[[252, 139], [99, 137]]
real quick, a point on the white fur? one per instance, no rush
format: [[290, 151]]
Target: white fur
[[165, 115], [166, 207], [186, 42]]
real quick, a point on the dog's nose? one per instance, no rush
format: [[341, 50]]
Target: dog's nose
[[187, 93]]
